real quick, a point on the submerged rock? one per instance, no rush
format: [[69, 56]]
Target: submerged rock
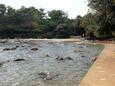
[[34, 49], [13, 48], [69, 58], [47, 75], [43, 75], [2, 63], [60, 58], [81, 46], [82, 56], [48, 78], [22, 46], [21, 59], [6, 49], [73, 46], [4, 40], [17, 46], [63, 59], [77, 51], [47, 55]]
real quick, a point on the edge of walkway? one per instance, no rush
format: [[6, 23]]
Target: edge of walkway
[[102, 72]]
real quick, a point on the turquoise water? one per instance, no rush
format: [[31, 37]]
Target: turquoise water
[[66, 72]]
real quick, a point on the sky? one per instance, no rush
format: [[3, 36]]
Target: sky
[[71, 7]]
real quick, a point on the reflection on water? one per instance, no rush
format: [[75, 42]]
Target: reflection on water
[[55, 72]]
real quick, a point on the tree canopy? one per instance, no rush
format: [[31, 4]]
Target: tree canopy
[[99, 22]]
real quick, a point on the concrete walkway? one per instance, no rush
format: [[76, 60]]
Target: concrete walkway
[[102, 73]]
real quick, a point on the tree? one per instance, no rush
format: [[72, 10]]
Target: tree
[[62, 31], [101, 21], [89, 25], [27, 18], [2, 10], [10, 11], [31, 22], [77, 28], [57, 16]]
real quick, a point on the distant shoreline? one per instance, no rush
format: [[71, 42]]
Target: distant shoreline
[[57, 40]]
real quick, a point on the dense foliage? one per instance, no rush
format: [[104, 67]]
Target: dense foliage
[[30, 22], [100, 22]]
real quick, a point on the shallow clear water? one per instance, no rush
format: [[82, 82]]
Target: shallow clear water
[[64, 73]]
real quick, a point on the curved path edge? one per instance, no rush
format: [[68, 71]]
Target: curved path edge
[[102, 72]]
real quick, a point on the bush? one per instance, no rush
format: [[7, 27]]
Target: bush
[[62, 31]]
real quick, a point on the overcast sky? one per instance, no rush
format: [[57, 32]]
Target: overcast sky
[[72, 7]]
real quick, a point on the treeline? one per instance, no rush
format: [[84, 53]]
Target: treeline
[[33, 23]]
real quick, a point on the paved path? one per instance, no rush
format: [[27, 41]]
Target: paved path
[[102, 73]]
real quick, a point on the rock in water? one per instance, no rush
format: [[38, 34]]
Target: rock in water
[[34, 49], [77, 51], [22, 46], [1, 64], [82, 56], [6, 49], [46, 76], [47, 55], [19, 59], [13, 48], [60, 58], [17, 46], [69, 58], [43, 75]]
